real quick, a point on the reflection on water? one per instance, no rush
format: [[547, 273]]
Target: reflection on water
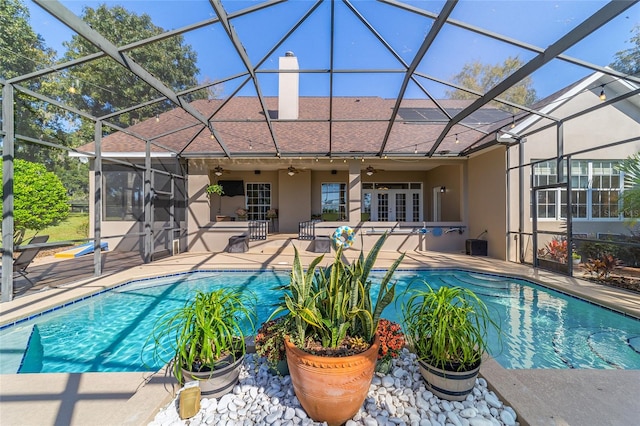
[[541, 328]]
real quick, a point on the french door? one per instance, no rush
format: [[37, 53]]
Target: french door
[[396, 202]]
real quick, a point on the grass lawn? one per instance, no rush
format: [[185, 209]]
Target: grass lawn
[[73, 228]]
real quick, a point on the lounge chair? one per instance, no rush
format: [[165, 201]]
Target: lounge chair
[[26, 256]]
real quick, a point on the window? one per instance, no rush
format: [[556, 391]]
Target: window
[[123, 190], [334, 199], [258, 200], [595, 190]]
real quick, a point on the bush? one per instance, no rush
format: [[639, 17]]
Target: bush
[[40, 198]]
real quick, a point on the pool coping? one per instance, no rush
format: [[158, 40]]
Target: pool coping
[[138, 396]]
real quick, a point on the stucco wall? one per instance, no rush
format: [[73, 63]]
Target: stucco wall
[[596, 129], [294, 200], [486, 197]]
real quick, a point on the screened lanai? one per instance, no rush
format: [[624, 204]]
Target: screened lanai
[[149, 101]]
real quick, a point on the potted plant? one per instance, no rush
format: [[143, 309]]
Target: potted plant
[[447, 328], [204, 339], [215, 189], [269, 343], [553, 256], [391, 343], [576, 258], [332, 347], [241, 212]]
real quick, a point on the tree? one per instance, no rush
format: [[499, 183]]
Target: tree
[[21, 49], [628, 60], [103, 86], [40, 198], [482, 77]]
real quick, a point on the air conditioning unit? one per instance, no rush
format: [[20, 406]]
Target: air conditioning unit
[[175, 247]]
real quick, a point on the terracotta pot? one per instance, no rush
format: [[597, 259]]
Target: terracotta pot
[[450, 385], [331, 389]]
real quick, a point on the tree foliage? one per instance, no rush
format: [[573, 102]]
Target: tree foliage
[[481, 77], [631, 195], [21, 49], [103, 86], [40, 199], [628, 60]]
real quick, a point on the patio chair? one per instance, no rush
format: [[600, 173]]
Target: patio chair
[[26, 256]]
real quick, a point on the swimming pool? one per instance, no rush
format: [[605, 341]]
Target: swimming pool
[[542, 328]]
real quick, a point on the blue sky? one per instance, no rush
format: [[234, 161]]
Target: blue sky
[[536, 22]]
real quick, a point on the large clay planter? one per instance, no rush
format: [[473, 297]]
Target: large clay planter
[[450, 385], [331, 389], [214, 384]]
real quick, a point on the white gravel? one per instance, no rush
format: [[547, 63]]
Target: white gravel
[[399, 398]]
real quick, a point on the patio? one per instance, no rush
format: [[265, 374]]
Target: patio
[[540, 397], [357, 113]]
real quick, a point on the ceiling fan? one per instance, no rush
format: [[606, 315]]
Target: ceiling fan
[[293, 171], [218, 171], [370, 170]]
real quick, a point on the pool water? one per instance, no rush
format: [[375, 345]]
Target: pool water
[[541, 328]]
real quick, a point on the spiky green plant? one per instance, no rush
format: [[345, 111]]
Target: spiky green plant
[[447, 327], [329, 303], [206, 329]]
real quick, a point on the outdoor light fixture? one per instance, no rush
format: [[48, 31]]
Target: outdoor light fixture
[[603, 96], [370, 171], [513, 121], [443, 189], [157, 118], [218, 171], [415, 151], [457, 141]]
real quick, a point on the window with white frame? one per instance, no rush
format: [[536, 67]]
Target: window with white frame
[[258, 200], [595, 190]]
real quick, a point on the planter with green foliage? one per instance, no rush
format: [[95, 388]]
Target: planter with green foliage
[[447, 329], [333, 346], [205, 340]]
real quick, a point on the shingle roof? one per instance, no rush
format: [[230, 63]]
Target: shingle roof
[[241, 126]]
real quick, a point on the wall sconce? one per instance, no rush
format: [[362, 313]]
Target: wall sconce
[[218, 171], [443, 189]]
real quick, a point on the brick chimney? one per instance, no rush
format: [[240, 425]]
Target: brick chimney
[[288, 85]]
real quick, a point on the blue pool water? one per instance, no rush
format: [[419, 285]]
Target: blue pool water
[[541, 328]]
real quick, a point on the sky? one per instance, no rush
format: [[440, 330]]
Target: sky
[[539, 23]]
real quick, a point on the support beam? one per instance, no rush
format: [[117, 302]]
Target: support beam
[[588, 26], [97, 200], [426, 44], [242, 52], [65, 16], [8, 141], [148, 205]]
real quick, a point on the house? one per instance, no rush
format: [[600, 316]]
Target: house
[[430, 197], [594, 140]]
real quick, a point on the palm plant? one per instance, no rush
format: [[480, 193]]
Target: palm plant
[[631, 195], [447, 327], [204, 331]]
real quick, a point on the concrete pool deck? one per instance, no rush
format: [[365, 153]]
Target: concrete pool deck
[[540, 397]]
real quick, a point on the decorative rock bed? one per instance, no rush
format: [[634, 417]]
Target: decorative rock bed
[[399, 398]]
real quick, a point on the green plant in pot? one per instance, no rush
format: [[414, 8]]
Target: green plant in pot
[[332, 347], [204, 339], [269, 343], [447, 327]]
